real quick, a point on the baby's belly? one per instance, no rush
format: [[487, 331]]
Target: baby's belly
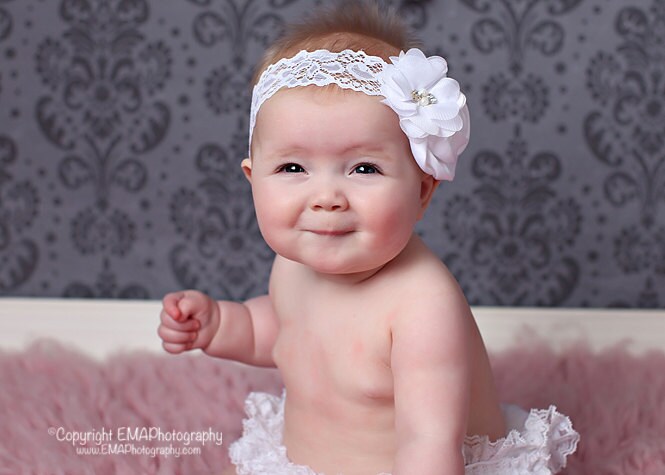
[[341, 437], [339, 410]]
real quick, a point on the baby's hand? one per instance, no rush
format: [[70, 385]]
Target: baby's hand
[[189, 320]]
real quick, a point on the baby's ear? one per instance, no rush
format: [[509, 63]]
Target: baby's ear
[[247, 168], [427, 187]]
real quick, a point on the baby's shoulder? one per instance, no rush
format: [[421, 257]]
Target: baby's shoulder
[[422, 270], [426, 285]]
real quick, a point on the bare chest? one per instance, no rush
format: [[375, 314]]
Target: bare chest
[[334, 346]]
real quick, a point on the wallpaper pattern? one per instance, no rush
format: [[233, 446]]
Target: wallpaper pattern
[[123, 123]]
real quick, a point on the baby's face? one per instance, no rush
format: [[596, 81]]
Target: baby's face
[[334, 183]]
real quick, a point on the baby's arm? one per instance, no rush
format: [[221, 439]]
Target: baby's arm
[[247, 332], [430, 361], [239, 331]]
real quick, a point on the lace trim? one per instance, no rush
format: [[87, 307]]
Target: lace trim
[[260, 451], [540, 447], [349, 70]]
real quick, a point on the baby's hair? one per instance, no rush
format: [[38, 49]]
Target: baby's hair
[[355, 25]]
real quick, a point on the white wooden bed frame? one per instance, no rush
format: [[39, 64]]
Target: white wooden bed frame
[[100, 328]]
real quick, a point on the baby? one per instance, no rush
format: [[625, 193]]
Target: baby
[[383, 366]]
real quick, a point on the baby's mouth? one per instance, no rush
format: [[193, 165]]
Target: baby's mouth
[[333, 232]]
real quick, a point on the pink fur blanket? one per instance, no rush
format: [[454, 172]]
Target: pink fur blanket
[[51, 395]]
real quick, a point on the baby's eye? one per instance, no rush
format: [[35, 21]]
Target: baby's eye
[[291, 168], [366, 169]]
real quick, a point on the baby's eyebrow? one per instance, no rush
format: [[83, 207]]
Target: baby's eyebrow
[[283, 152], [364, 147], [294, 151]]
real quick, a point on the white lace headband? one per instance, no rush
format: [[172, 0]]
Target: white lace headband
[[432, 111]]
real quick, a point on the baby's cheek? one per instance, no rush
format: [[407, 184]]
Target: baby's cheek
[[393, 227], [268, 225], [263, 220], [276, 228]]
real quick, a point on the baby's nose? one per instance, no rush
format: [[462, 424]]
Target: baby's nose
[[329, 198]]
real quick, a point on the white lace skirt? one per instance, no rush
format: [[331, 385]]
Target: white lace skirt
[[537, 443]]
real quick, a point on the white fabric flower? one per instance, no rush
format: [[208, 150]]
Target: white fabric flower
[[431, 108]]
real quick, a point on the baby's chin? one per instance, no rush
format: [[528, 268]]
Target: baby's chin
[[334, 268]]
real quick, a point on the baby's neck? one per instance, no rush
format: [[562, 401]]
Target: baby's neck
[[349, 280]]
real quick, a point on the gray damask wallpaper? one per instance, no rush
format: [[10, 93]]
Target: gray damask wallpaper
[[123, 123]]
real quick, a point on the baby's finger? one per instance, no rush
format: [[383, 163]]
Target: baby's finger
[[176, 348], [185, 326], [187, 305], [173, 336], [170, 304]]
